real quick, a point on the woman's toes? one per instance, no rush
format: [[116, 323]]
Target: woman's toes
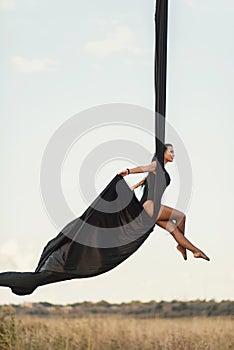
[[202, 255]]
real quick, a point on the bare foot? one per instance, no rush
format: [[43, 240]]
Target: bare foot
[[183, 251], [200, 254]]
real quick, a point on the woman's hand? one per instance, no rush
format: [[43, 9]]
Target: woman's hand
[[123, 173]]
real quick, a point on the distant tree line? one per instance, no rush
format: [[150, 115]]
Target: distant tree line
[[151, 309]]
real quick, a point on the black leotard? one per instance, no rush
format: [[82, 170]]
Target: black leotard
[[148, 191]]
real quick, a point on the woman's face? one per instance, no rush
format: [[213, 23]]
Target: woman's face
[[169, 154]]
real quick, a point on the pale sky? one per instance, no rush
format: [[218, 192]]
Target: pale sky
[[60, 58]]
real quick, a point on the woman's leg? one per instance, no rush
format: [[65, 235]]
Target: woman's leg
[[170, 214], [180, 239], [170, 226], [166, 213]]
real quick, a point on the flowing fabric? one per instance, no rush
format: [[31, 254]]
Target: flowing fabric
[[98, 241]]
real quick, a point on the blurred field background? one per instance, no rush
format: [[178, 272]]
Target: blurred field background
[[100, 331]]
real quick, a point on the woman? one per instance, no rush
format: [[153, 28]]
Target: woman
[[168, 218]]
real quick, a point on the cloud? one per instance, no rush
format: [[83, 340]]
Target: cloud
[[25, 65], [117, 39], [7, 4], [14, 256]]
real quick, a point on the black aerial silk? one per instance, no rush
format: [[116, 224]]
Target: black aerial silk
[[98, 241], [101, 239], [161, 23]]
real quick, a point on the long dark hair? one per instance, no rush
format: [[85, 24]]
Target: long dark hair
[[165, 146]]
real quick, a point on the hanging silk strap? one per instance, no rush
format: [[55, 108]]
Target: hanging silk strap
[[161, 23]]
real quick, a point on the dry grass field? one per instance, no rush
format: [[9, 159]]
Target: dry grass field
[[114, 332]]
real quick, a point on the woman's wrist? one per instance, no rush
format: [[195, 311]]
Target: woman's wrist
[[140, 169]]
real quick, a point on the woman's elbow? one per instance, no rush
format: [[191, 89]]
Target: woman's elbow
[[152, 167]]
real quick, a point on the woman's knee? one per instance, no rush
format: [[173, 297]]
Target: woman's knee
[[183, 218], [169, 225], [179, 217]]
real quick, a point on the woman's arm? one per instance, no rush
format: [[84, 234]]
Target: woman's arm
[[140, 169], [138, 183]]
